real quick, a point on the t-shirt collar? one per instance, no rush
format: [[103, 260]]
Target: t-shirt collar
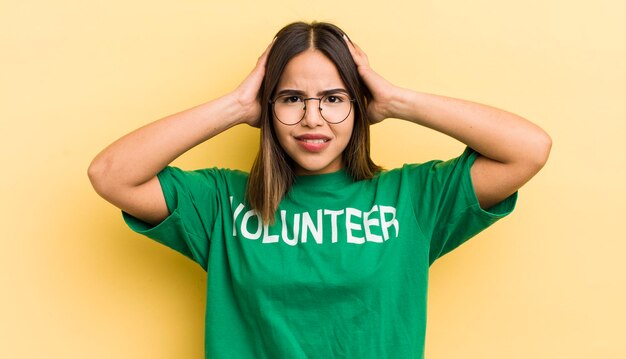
[[340, 177]]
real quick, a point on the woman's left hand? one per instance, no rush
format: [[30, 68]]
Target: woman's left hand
[[379, 108]]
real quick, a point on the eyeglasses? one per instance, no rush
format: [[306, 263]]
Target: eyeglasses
[[291, 109]]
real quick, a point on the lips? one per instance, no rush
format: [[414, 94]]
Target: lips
[[313, 142]]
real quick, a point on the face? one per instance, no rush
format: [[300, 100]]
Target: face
[[315, 145]]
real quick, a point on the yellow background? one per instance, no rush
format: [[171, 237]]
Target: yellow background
[[546, 282]]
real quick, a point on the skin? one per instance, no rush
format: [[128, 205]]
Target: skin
[[512, 149], [311, 72]]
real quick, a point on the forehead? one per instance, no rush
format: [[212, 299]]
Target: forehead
[[310, 71]]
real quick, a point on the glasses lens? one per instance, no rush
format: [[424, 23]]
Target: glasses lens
[[289, 109], [336, 107]]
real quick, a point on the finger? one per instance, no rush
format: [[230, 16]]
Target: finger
[[349, 44], [359, 57]]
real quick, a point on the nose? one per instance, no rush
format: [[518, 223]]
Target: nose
[[312, 116]]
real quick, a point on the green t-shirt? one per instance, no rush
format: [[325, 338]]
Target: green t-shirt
[[342, 273]]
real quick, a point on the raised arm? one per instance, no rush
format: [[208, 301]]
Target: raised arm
[[124, 173], [512, 150]]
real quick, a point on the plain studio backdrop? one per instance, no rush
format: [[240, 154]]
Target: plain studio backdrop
[[546, 282]]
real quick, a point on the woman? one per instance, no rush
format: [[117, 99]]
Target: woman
[[318, 252]]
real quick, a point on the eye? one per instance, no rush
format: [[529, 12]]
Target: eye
[[289, 99], [337, 98]]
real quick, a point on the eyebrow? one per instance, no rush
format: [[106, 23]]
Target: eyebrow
[[302, 93]]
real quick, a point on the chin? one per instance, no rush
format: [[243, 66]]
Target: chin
[[317, 168]]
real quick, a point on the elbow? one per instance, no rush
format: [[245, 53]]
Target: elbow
[[97, 173], [545, 146], [539, 151]]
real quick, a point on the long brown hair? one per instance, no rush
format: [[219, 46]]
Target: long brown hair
[[273, 172]]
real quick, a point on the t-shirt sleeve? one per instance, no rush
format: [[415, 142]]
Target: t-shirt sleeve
[[191, 198], [446, 206]]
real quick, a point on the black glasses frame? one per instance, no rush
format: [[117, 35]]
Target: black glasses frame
[[319, 107]]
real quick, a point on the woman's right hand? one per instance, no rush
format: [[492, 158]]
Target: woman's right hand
[[125, 173], [247, 92]]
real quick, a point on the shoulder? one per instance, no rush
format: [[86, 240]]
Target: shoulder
[[461, 163], [204, 172], [410, 169], [430, 172], [213, 176]]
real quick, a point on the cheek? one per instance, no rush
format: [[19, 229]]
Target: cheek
[[281, 134], [348, 129]]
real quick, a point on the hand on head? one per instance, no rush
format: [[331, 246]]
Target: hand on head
[[247, 92], [381, 89]]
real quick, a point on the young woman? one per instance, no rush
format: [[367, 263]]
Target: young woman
[[318, 252]]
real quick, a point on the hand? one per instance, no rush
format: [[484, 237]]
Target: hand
[[247, 92], [382, 90]]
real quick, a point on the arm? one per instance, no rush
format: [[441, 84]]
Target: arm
[[125, 172], [512, 150]]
